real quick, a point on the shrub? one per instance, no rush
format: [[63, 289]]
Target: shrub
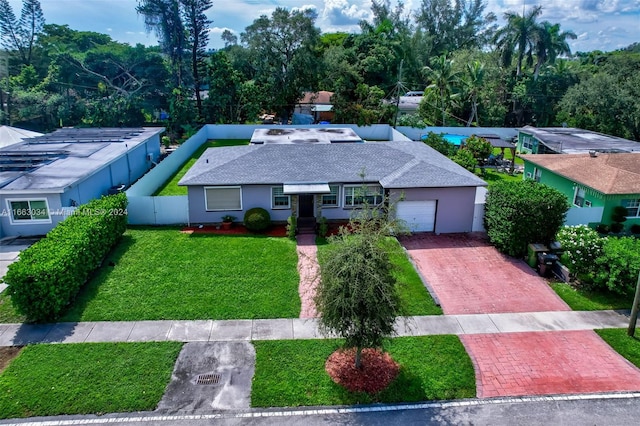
[[602, 228], [465, 158], [582, 246], [49, 274], [479, 147], [257, 219], [635, 229], [619, 264], [440, 144], [523, 212], [292, 224], [323, 229], [616, 227]]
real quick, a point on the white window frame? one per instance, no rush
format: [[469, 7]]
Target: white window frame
[[349, 192], [537, 174], [337, 195], [31, 221], [632, 203], [273, 199], [206, 204], [575, 196], [587, 203]]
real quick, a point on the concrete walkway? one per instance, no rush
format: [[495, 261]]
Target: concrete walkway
[[297, 328]]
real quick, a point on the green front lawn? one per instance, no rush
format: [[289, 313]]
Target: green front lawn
[[414, 295], [171, 186], [291, 373], [585, 300], [627, 346], [161, 274], [50, 380]]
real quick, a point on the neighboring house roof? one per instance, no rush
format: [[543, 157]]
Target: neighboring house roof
[[393, 164], [51, 162], [569, 140], [12, 135], [317, 98], [606, 173]]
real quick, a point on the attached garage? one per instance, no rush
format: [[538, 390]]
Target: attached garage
[[419, 216]]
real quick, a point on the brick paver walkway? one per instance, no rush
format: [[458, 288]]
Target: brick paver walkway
[[309, 271], [514, 364], [469, 276]]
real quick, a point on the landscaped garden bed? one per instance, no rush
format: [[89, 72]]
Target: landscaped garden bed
[[292, 373], [49, 380]]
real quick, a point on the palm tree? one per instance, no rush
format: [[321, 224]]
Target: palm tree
[[443, 80], [551, 43], [472, 81], [518, 36]]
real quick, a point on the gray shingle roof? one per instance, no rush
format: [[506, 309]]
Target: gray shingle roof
[[393, 164]]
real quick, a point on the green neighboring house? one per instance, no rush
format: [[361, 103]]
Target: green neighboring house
[[569, 140], [593, 183]]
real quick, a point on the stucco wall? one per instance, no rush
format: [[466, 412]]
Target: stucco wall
[[30, 229], [454, 209]]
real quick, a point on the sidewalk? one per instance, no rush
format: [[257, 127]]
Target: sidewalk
[[300, 328]]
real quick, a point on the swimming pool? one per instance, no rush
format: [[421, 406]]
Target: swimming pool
[[450, 137]]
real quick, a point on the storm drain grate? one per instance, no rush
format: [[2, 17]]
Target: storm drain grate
[[208, 379]]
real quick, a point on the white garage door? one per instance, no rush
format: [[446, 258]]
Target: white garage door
[[420, 216]]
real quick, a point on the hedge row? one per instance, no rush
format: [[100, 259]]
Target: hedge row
[[49, 274]]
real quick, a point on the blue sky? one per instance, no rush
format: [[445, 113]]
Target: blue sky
[[600, 24]]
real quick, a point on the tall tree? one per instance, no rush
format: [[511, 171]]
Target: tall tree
[[197, 24], [518, 36], [20, 35], [472, 82], [283, 48], [165, 18], [444, 81], [550, 43]]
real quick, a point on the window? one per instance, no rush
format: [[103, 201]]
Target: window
[[223, 198], [527, 142], [29, 211], [358, 195], [537, 174], [587, 203], [578, 197], [331, 200], [278, 199], [633, 207]]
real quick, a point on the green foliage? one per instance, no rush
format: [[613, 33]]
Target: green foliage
[[619, 265], [625, 345], [440, 144], [635, 229], [86, 378], [523, 212], [479, 147], [465, 158], [257, 219], [581, 298], [292, 225], [50, 273], [619, 214], [412, 120], [323, 227], [582, 246], [290, 373]]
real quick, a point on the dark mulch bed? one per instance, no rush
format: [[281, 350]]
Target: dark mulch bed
[[237, 229], [377, 372]]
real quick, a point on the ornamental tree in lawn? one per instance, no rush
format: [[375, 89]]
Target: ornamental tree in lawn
[[519, 213], [358, 296]]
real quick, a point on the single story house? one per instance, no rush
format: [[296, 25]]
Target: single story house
[[591, 181], [316, 104], [310, 181], [43, 179], [568, 140]]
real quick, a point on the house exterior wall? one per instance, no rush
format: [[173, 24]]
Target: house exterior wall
[[455, 208], [27, 229], [568, 187]]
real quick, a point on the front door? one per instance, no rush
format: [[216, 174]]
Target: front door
[[305, 205]]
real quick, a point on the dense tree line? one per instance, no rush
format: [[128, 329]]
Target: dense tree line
[[473, 72]]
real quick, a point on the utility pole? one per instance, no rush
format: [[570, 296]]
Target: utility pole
[[634, 310]]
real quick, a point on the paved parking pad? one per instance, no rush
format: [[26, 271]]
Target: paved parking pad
[[469, 276], [543, 363]]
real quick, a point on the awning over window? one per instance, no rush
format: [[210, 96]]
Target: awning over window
[[306, 188]]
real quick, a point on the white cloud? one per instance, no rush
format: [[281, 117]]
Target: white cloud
[[305, 7], [342, 12], [220, 30]]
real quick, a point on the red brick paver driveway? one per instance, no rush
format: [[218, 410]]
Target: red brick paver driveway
[[470, 276]]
